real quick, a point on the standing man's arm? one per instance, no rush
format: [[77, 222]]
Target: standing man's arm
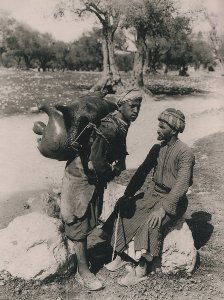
[[143, 170]]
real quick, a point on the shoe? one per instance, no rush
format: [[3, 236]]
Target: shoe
[[130, 279], [114, 266], [89, 281]]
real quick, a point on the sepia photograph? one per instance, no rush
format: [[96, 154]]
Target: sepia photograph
[[111, 149]]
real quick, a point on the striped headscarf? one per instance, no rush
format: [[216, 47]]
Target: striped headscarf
[[129, 95], [174, 118]]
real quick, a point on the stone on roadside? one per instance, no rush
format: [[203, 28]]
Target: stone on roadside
[[179, 252], [45, 203], [33, 247], [34, 109], [57, 190]]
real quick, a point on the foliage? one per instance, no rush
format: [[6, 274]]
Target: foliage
[[162, 36], [61, 55], [222, 47], [201, 52], [124, 61], [22, 43], [25, 46], [6, 28], [149, 17], [86, 52], [179, 44], [45, 51]]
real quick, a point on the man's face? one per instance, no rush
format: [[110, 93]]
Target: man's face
[[164, 131], [130, 110]]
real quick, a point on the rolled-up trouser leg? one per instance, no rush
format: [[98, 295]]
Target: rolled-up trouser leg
[[81, 227]]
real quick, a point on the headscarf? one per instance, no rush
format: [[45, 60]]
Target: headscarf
[[129, 95], [174, 118]]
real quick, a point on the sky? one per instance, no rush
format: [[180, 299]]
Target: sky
[[37, 14]]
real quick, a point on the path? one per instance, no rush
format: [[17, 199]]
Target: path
[[24, 170]]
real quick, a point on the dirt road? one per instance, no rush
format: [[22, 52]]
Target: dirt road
[[24, 169]]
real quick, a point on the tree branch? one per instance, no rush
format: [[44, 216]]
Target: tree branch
[[91, 7]]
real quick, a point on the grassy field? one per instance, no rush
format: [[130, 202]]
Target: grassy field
[[21, 90]]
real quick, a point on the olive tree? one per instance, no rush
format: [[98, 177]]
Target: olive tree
[[149, 18], [108, 13]]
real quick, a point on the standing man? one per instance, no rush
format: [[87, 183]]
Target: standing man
[[87, 175], [172, 163]]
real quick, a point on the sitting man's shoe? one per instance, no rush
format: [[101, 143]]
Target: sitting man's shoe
[[116, 264], [130, 279], [89, 281]]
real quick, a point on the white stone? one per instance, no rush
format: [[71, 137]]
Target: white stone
[[113, 192], [179, 252], [45, 203], [33, 247], [34, 109]]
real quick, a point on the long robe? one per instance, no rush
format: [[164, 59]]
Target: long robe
[[172, 175]]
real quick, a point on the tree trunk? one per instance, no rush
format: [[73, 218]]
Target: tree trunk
[[113, 67], [139, 60], [216, 49], [110, 76], [43, 66], [1, 64], [152, 69], [168, 56], [106, 63], [102, 82], [154, 56], [166, 69], [27, 60]]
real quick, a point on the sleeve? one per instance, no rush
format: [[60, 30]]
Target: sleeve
[[100, 151], [143, 170], [183, 181]]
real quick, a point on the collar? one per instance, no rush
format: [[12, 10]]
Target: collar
[[170, 143], [115, 114]]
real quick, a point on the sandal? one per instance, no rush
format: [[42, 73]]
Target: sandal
[[90, 282]]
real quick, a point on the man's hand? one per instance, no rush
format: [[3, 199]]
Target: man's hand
[[116, 171], [122, 202], [156, 217]]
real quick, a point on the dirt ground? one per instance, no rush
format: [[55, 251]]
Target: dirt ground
[[25, 172]]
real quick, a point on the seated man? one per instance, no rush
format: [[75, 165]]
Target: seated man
[[86, 176], [172, 163]]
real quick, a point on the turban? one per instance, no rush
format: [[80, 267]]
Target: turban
[[129, 95], [174, 118]]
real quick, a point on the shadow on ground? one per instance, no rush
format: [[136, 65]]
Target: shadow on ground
[[200, 227]]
